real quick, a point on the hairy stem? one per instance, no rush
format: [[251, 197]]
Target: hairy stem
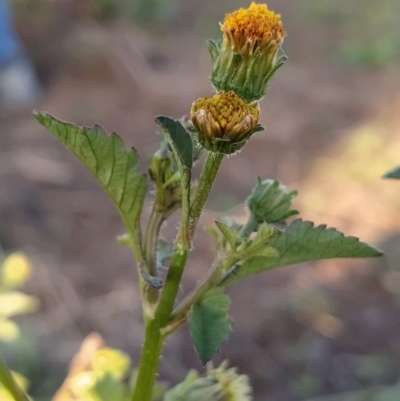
[[149, 361], [180, 314], [155, 324], [207, 178], [249, 227]]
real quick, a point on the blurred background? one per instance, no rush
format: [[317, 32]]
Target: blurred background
[[326, 331]]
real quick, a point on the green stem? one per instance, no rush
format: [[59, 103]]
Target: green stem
[[149, 361], [154, 336], [249, 227], [171, 287], [179, 315], [8, 381], [155, 324], [206, 181]]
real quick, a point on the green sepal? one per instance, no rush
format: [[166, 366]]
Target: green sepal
[[213, 49], [302, 242], [224, 145], [395, 174], [210, 324]]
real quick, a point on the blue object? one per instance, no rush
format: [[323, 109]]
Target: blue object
[[9, 43]]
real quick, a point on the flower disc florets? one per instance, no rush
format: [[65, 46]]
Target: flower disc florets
[[252, 28], [247, 57], [224, 122]]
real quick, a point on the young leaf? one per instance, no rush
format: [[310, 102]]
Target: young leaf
[[395, 173], [178, 138], [227, 233], [107, 158], [302, 242], [210, 324], [260, 245]]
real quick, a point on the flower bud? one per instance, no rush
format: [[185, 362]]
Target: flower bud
[[219, 384], [247, 57], [270, 202], [224, 122], [160, 165]]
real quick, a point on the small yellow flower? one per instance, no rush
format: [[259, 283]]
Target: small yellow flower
[[224, 122], [249, 29], [247, 57], [16, 270]]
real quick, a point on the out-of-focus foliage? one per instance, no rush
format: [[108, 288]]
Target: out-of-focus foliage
[[22, 382], [14, 272], [100, 373], [379, 45], [395, 173]]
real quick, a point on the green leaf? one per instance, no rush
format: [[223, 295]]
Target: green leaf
[[227, 233], [107, 158], [210, 324], [107, 388], [178, 138], [395, 173], [302, 242], [260, 245]]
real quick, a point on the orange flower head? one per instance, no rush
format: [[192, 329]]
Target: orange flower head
[[252, 28], [248, 54]]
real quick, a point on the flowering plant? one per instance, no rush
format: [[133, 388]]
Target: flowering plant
[[243, 63]]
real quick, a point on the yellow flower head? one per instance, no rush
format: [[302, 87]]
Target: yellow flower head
[[248, 29], [224, 115], [248, 55]]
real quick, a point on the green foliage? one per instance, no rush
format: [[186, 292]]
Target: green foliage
[[210, 324], [377, 46], [12, 385], [107, 158], [378, 393], [302, 242]]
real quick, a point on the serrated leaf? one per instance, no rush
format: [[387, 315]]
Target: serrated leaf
[[302, 242], [178, 138], [395, 174], [210, 324], [108, 159]]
